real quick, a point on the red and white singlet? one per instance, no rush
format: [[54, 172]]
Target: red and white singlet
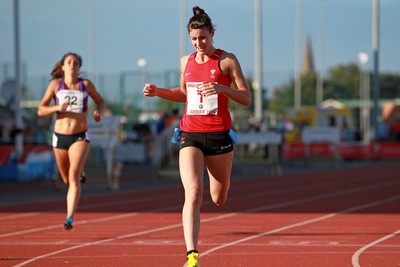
[[205, 113]]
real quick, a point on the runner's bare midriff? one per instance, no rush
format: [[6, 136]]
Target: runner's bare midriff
[[70, 123]]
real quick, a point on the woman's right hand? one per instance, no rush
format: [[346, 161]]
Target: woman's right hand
[[150, 90], [64, 106]]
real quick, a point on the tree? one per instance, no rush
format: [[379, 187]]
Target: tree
[[283, 97], [389, 85], [342, 82]]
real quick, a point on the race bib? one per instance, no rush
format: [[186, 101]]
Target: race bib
[[75, 98], [198, 104]]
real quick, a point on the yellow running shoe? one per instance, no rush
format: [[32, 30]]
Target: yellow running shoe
[[193, 260]]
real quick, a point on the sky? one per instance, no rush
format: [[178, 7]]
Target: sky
[[112, 36]]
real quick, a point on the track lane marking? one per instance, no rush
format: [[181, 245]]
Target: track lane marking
[[355, 258], [227, 215], [302, 223], [171, 208], [104, 219]]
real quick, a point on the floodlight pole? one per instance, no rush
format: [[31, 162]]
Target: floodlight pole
[[364, 97], [142, 63], [92, 39], [375, 45], [258, 81], [297, 72], [183, 31], [320, 80], [19, 137]]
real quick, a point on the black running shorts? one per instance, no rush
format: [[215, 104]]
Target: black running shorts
[[64, 141], [210, 144]]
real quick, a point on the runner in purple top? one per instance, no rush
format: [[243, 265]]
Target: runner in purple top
[[71, 142]]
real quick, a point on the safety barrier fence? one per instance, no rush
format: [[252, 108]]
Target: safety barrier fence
[[38, 161], [346, 151]]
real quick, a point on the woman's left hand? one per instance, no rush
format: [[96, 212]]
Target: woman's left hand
[[96, 116], [210, 88]]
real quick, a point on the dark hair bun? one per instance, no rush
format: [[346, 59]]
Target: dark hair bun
[[197, 10]]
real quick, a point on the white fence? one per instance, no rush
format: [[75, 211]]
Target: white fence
[[105, 135]]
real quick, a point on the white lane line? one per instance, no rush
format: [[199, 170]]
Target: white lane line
[[163, 197], [174, 242], [324, 196], [133, 200], [19, 215], [302, 223], [169, 227], [170, 208], [356, 256], [104, 219]]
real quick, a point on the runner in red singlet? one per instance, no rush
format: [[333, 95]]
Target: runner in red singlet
[[206, 79]]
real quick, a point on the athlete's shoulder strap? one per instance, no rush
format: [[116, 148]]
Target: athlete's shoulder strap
[[61, 84], [82, 86]]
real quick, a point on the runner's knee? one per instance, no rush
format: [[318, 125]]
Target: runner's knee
[[194, 197]]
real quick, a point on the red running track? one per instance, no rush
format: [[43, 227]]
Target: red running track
[[344, 217]]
